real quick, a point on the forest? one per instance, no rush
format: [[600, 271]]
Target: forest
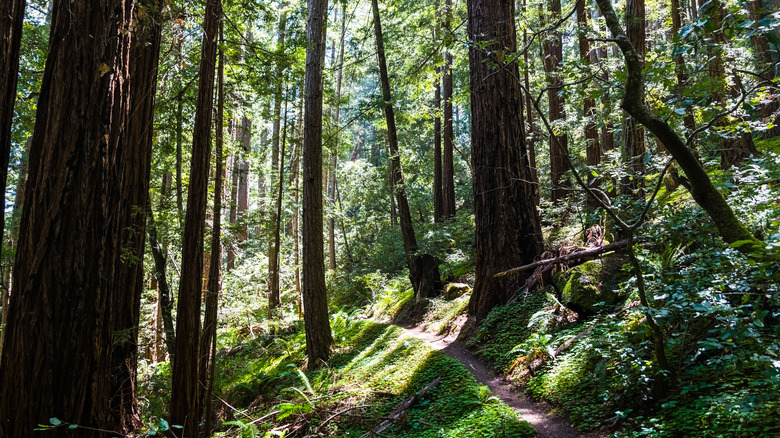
[[390, 218]]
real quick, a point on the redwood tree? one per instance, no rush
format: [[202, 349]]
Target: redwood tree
[[553, 56], [144, 55], [448, 165], [11, 19], [508, 230], [315, 300], [185, 400], [63, 311]]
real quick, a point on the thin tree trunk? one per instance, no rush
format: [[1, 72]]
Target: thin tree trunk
[[61, 328], [553, 56], [166, 303], [208, 351], [274, 298], [243, 180], [233, 211], [438, 210], [273, 250], [423, 269], [315, 302], [448, 165], [531, 135], [335, 155], [179, 158], [592, 147], [634, 146], [185, 399], [680, 68], [508, 230], [11, 19]]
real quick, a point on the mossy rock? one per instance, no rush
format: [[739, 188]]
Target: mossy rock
[[455, 290], [584, 288]]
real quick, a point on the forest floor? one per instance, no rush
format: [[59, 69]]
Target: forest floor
[[540, 415]]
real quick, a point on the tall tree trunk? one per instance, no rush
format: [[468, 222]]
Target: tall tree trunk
[[733, 150], [233, 210], [179, 147], [703, 191], [273, 250], [62, 318], [337, 136], [185, 399], [448, 166], [634, 146], [208, 351], [315, 300], [679, 66], [8, 262], [607, 134], [438, 209], [531, 137], [164, 291], [423, 268], [592, 147], [553, 56], [11, 19], [274, 293], [508, 230], [243, 180], [144, 55], [295, 165]]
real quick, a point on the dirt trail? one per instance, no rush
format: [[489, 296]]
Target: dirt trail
[[547, 425]]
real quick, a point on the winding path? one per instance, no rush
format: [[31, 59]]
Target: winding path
[[546, 424]]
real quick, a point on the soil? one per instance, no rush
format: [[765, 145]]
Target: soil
[[547, 424]]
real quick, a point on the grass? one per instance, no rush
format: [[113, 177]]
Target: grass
[[373, 369]]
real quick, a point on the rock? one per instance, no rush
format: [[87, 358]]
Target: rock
[[583, 288], [455, 290]]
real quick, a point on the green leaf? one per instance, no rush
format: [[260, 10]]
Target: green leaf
[[773, 38], [55, 421], [73, 426]]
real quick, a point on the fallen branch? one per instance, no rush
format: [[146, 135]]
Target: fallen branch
[[580, 255], [399, 411]]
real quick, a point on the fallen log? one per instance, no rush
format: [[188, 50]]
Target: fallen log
[[401, 409], [580, 255]]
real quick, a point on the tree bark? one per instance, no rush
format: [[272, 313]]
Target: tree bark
[[208, 351], [508, 230], [423, 271], [679, 66], [315, 301], [553, 56], [11, 19], [335, 154], [166, 303], [448, 165], [634, 148], [592, 146], [274, 299], [62, 317], [144, 55], [185, 399], [438, 210], [703, 191], [273, 249], [733, 150]]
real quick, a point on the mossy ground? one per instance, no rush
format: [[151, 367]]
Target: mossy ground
[[374, 368]]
